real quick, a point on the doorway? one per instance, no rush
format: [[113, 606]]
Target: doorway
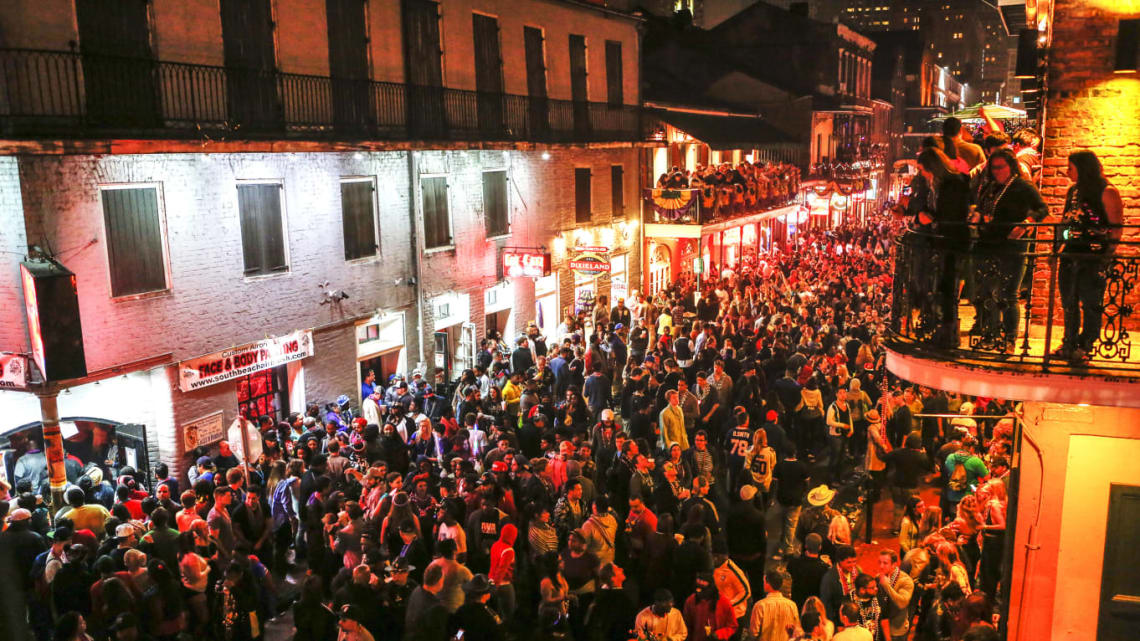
[[264, 393]]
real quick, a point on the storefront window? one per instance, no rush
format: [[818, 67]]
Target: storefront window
[[263, 393]]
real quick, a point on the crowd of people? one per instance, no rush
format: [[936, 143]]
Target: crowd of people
[[972, 209], [682, 472], [731, 190]]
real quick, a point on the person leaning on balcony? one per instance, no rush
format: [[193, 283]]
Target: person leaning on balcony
[[1089, 231], [1007, 199], [947, 206]]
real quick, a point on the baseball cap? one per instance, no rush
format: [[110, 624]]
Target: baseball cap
[[20, 514], [204, 460]]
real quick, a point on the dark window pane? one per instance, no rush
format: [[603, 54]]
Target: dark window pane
[[582, 195]]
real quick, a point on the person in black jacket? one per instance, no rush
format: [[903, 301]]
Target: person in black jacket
[[1005, 200], [947, 209], [426, 618], [475, 617], [611, 614]]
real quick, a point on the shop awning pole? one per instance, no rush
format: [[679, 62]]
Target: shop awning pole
[[53, 443]]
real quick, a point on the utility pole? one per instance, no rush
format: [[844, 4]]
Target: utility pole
[[53, 443]]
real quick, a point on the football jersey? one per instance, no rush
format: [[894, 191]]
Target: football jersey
[[737, 444]]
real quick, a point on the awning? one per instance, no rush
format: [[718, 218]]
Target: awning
[[726, 132]]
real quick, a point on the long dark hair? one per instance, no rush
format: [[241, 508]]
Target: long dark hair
[[1090, 175], [936, 162], [1010, 161]]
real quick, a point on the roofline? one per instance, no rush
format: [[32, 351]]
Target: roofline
[[704, 111], [589, 6]]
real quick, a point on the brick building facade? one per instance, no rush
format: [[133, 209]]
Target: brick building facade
[[197, 156]]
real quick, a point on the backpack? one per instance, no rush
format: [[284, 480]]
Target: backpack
[[39, 583], [959, 481]]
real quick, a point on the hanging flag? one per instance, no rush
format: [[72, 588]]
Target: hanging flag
[[674, 204]]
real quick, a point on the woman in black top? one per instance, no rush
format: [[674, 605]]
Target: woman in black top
[[1005, 200], [946, 208], [1090, 226]]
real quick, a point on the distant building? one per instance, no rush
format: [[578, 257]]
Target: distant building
[[964, 36]]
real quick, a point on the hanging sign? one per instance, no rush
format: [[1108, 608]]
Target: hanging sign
[[590, 265], [203, 431], [13, 371], [524, 264], [236, 362]]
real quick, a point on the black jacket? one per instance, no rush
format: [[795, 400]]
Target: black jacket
[[426, 618]]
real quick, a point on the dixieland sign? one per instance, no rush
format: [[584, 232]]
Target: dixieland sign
[[236, 362]]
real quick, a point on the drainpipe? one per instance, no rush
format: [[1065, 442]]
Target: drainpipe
[[413, 244]]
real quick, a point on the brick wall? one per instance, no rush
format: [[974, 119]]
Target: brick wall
[[541, 203], [1089, 107], [13, 247], [210, 305]]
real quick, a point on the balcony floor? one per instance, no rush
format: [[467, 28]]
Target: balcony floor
[[1026, 360]]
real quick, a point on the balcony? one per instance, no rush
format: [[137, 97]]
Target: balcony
[[684, 206], [966, 305], [55, 94]]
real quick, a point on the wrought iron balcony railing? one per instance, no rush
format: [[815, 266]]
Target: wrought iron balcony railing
[[1058, 299], [68, 94]]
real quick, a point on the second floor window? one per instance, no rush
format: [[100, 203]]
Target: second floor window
[[262, 229], [136, 253], [617, 189], [437, 219], [614, 73], [582, 195], [495, 210], [358, 215]]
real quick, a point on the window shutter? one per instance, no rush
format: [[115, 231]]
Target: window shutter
[[262, 234], [437, 232], [134, 241], [617, 189], [582, 195], [358, 218], [495, 203], [613, 73]]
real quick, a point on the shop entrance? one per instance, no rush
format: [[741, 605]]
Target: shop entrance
[[659, 269], [264, 393], [384, 365], [109, 444], [546, 305], [500, 322]]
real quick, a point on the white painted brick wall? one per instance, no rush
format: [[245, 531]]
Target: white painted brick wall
[[211, 305], [541, 194], [13, 246]]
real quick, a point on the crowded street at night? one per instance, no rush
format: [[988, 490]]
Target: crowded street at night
[[583, 320]]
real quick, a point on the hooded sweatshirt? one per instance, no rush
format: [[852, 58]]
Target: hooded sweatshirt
[[503, 556]]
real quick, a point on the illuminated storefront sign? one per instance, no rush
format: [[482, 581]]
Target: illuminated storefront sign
[[525, 264]]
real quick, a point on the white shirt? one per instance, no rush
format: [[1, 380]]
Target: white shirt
[[370, 410], [670, 627], [853, 633]]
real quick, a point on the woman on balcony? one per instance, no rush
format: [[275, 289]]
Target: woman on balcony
[[946, 207], [1089, 230], [1006, 200]]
